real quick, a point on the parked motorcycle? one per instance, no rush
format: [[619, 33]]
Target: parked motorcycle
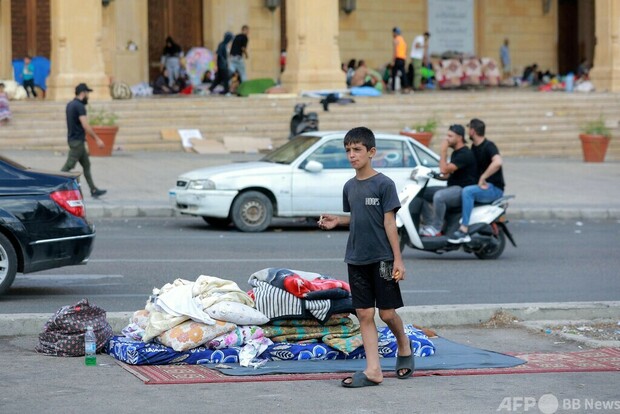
[[302, 122], [488, 225]]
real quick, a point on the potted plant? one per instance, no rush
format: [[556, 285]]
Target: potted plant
[[595, 138], [104, 124], [422, 132]]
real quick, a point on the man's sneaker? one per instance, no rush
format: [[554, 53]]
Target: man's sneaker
[[459, 237], [96, 193], [429, 231]]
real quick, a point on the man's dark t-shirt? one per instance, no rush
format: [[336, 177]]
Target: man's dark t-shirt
[[75, 109], [368, 201], [239, 43], [466, 174], [484, 154]]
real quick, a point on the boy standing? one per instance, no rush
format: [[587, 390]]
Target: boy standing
[[375, 265], [28, 74]]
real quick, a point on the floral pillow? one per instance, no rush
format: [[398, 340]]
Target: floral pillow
[[237, 313], [190, 334]]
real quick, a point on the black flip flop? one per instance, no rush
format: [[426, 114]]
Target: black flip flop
[[405, 363], [358, 380]]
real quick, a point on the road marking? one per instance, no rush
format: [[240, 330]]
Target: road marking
[[425, 291], [67, 277]]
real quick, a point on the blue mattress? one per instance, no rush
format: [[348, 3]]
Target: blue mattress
[[139, 353]]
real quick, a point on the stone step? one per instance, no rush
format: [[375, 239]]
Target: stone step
[[517, 120]]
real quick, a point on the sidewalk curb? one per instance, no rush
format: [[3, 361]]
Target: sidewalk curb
[[526, 213], [22, 324]]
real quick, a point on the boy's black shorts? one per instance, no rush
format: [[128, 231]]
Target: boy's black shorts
[[370, 290]]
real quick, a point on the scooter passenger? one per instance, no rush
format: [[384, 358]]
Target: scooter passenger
[[490, 182], [460, 170]]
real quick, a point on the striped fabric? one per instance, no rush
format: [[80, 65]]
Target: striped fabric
[[277, 303]]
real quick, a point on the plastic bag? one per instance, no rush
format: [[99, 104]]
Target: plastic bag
[[63, 333]]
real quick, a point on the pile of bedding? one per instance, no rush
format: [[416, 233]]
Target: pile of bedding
[[288, 315]]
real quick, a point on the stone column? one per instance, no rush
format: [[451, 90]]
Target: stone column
[[6, 61], [313, 54], [606, 71], [128, 22], [76, 49]]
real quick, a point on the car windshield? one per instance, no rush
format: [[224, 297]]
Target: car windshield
[[289, 152]]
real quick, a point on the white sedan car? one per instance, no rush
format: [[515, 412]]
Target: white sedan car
[[303, 178]]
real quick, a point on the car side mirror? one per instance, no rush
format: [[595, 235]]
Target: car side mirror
[[313, 166]]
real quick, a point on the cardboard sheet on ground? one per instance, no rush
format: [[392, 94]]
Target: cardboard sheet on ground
[[449, 355], [247, 144]]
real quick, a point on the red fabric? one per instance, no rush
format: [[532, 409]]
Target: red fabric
[[187, 90], [300, 287]]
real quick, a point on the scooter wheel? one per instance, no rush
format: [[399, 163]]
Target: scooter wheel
[[493, 251]]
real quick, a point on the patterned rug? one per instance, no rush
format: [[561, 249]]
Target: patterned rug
[[594, 360]]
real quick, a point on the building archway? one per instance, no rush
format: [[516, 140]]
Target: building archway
[[576, 39]]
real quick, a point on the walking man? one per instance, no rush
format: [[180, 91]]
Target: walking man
[[78, 126], [239, 51]]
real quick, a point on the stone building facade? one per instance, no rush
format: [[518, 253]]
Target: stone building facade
[[88, 40]]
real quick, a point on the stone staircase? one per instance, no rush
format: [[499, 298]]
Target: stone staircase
[[521, 122]]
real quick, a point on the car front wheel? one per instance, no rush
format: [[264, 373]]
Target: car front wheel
[[252, 211], [8, 264]]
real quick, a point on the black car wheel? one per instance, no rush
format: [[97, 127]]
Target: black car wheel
[[217, 222], [8, 264], [252, 211]]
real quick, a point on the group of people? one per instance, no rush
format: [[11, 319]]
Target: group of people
[[230, 64], [374, 262], [230, 71], [359, 74], [473, 174]]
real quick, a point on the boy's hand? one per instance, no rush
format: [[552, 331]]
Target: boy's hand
[[398, 273], [328, 221]]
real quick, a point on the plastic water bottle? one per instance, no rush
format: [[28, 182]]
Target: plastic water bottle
[[569, 81], [90, 346]]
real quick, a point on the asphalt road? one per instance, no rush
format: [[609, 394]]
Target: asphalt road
[[556, 261]]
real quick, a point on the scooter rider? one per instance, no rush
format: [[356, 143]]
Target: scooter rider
[[461, 171], [490, 182]]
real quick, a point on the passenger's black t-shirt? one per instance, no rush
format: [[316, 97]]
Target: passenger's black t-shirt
[[484, 154], [239, 43], [466, 174], [75, 109]]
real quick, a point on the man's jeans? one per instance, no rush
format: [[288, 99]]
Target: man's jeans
[[443, 198], [237, 64], [473, 193]]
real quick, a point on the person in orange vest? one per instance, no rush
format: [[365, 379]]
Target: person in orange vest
[[398, 64]]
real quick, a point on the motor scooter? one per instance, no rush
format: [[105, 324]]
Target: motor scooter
[[302, 122], [488, 225]]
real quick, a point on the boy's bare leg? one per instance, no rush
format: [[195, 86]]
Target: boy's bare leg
[[395, 323], [371, 343]]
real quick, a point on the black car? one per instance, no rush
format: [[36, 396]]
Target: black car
[[43, 221]]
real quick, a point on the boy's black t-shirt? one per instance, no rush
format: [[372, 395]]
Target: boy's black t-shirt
[[484, 154], [368, 201], [239, 42], [75, 109], [467, 171]]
